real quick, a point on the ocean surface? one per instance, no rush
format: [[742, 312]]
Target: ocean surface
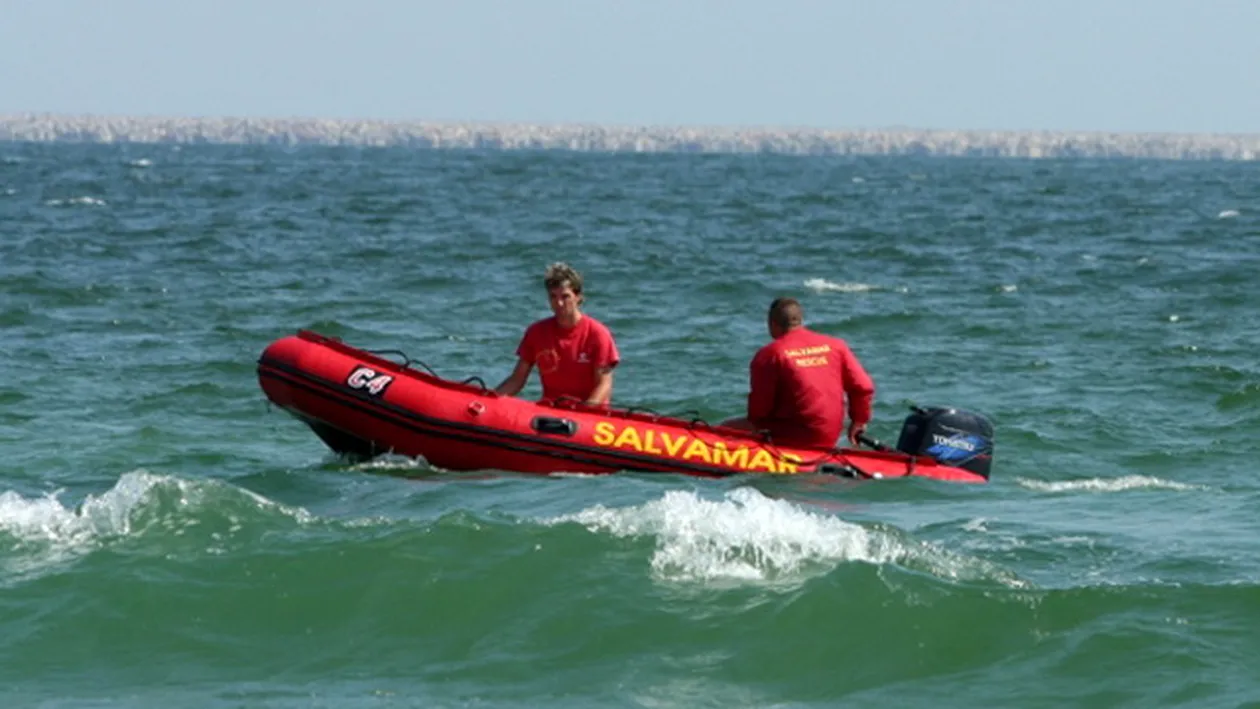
[[167, 539]]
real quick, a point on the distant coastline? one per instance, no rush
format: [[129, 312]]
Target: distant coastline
[[63, 128]]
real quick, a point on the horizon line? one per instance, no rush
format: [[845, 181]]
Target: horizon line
[[9, 116], [602, 137]]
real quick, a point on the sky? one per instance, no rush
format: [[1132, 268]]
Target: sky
[[1068, 65]]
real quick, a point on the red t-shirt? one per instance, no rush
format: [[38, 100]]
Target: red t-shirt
[[567, 360], [798, 387]]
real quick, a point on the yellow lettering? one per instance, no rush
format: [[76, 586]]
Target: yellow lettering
[[789, 462], [629, 438], [697, 448], [718, 453], [763, 459], [723, 456], [605, 432], [673, 445], [807, 351], [648, 441], [812, 362]]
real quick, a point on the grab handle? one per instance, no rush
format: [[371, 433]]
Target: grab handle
[[554, 426]]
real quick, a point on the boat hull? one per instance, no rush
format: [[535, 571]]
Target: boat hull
[[362, 405]]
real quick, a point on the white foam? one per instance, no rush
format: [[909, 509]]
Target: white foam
[[1127, 482], [748, 537], [47, 519], [822, 285], [46, 533], [1227, 214], [88, 201], [697, 689], [745, 536], [1074, 541], [142, 162], [979, 524], [391, 461], [1008, 288]]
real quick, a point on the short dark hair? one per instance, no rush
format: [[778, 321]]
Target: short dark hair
[[560, 274], [786, 313]]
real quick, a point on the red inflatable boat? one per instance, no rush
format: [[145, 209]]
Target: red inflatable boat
[[362, 404]]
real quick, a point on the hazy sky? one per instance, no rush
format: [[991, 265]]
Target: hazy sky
[[1131, 65]]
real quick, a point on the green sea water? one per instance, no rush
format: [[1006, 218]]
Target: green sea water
[[167, 539]]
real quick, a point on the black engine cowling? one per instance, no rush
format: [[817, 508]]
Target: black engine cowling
[[951, 436]]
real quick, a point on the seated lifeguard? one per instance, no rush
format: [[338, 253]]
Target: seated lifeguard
[[574, 352], [800, 381]]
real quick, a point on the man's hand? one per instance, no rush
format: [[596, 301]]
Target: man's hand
[[856, 431]]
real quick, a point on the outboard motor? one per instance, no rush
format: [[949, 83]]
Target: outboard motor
[[951, 436]]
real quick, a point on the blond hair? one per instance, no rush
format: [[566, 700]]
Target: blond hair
[[560, 274]]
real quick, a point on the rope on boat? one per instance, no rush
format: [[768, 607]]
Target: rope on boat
[[407, 361]]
